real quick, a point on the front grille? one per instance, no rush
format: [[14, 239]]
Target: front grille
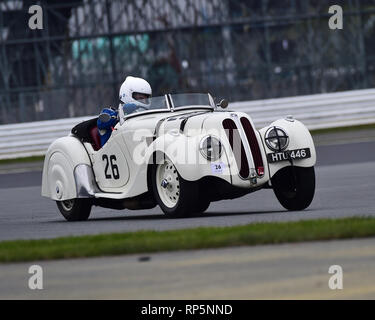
[[237, 146], [254, 145]]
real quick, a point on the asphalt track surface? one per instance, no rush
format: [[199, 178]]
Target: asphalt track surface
[[289, 271], [345, 187]]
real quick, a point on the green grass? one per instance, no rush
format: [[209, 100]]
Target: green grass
[[199, 238], [22, 160], [343, 129]]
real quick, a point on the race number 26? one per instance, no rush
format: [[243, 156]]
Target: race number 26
[[111, 162]]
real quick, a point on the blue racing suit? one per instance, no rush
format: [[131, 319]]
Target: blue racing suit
[[105, 128]]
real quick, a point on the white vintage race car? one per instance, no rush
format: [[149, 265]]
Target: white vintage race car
[[181, 153]]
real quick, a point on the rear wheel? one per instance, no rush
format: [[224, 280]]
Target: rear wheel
[[75, 209], [175, 196], [294, 187]]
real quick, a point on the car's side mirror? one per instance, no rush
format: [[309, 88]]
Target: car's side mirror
[[223, 103], [104, 117]]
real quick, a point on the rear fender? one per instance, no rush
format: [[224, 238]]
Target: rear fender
[[67, 172]]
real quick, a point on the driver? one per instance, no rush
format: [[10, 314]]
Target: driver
[[135, 93]]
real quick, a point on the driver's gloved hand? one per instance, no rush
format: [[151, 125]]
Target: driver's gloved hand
[[107, 119]]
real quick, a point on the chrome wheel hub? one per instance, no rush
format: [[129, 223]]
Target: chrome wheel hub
[[168, 184], [67, 204]]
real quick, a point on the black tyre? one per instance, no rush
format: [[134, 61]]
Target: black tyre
[[75, 209], [175, 196], [294, 187], [201, 204]]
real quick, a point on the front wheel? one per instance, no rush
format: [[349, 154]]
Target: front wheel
[[75, 209], [201, 204], [294, 187], [175, 196]]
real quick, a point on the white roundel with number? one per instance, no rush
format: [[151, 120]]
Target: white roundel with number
[[110, 167]]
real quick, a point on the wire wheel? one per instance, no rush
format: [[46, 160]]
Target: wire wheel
[[168, 184], [175, 195]]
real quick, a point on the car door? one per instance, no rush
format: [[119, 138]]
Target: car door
[[110, 165]]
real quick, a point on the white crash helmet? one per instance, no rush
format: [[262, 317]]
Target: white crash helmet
[[135, 91]]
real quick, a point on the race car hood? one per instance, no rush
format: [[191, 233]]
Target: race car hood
[[187, 122], [195, 122]]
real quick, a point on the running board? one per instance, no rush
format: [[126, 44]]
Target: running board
[[115, 196]]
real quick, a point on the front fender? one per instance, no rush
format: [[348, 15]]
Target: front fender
[[299, 137]]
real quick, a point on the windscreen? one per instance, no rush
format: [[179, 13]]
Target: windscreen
[[190, 99], [154, 103]]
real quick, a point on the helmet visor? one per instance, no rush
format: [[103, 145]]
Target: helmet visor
[[142, 97]]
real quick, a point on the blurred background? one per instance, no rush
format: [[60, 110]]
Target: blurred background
[[237, 49]]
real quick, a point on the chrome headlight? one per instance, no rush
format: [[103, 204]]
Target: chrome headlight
[[211, 148], [276, 139]]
